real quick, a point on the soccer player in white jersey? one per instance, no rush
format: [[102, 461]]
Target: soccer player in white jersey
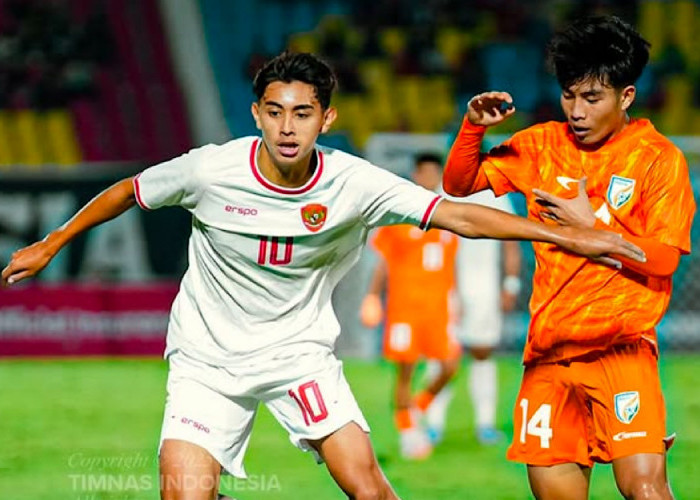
[[276, 222], [488, 284]]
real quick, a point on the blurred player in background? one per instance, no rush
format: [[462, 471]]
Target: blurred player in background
[[417, 270], [590, 390], [276, 222], [485, 293]]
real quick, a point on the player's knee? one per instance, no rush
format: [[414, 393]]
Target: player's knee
[[368, 492], [645, 488], [369, 485]]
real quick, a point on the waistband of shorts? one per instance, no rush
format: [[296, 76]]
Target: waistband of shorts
[[568, 354]]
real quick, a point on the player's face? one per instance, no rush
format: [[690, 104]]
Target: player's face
[[595, 111], [428, 174], [291, 118]]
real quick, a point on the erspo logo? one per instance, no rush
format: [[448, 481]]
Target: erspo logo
[[245, 211]]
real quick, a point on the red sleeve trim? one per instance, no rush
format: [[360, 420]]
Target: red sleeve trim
[[137, 193], [429, 213]]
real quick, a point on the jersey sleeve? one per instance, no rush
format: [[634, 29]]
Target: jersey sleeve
[[387, 199], [174, 182], [512, 165], [669, 202]]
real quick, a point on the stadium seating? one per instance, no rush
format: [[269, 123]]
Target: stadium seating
[[91, 80]]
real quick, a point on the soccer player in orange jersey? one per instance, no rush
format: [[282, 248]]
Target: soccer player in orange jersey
[[590, 390], [417, 269]]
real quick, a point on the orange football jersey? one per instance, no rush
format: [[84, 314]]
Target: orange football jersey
[[421, 269], [637, 181]]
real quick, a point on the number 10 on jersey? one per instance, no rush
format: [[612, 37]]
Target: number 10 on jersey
[[269, 250]]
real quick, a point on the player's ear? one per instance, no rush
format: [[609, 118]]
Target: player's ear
[[255, 111], [627, 97], [329, 117]]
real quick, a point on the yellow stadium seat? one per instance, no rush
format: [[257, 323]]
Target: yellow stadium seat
[[392, 40], [30, 144], [303, 42], [376, 75], [450, 43], [61, 139], [675, 117], [652, 25], [685, 22], [6, 156]]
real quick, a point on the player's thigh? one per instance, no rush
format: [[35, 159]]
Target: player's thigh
[[197, 412], [550, 419], [314, 402], [559, 482], [187, 471], [350, 459], [642, 475], [626, 403]]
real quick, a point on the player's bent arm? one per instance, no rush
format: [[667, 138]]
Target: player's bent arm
[[477, 221], [110, 203], [662, 260], [462, 174]]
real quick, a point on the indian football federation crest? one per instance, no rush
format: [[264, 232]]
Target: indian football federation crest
[[626, 406], [620, 191], [314, 216]]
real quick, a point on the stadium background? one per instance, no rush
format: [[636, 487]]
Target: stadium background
[[95, 90]]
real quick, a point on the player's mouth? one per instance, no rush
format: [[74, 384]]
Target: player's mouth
[[580, 132], [288, 149]]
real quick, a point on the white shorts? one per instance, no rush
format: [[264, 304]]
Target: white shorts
[[214, 407], [482, 321]]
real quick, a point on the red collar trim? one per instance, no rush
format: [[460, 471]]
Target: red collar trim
[[279, 189]]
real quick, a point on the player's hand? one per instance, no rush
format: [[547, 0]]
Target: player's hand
[[490, 108], [371, 310], [567, 211], [602, 246], [27, 262]]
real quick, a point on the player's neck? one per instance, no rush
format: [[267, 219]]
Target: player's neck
[[292, 175]]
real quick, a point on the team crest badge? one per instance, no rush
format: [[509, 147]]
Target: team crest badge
[[314, 216], [620, 191], [626, 406]]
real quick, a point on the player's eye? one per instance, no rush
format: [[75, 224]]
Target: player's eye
[[273, 113], [303, 115]]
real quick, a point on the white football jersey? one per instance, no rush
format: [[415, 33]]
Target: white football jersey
[[479, 261], [264, 259]]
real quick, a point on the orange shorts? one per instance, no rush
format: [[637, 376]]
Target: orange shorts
[[407, 339], [595, 408]]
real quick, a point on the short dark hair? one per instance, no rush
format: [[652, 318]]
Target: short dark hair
[[427, 157], [297, 66], [605, 48]]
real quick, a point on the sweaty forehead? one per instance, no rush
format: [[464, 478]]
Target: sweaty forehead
[[291, 94]]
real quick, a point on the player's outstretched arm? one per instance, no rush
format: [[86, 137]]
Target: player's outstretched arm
[[477, 221], [29, 261]]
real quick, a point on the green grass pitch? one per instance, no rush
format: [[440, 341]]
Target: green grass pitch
[[88, 429]]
